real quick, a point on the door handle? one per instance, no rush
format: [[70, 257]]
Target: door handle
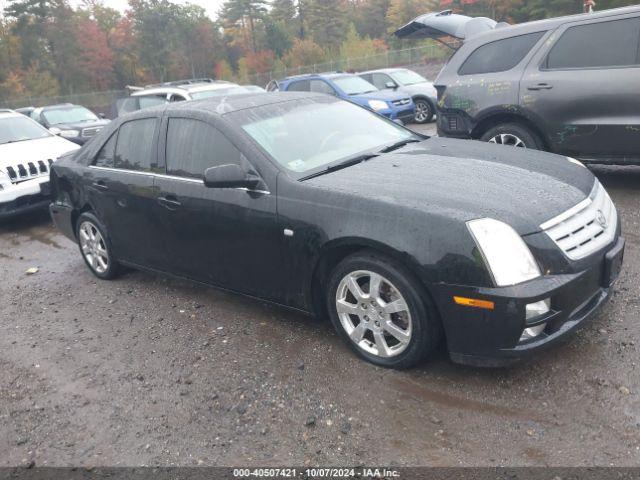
[[540, 86], [169, 202], [100, 185]]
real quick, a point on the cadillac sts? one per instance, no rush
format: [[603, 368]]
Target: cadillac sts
[[405, 242]]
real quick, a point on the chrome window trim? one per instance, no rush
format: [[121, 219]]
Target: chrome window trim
[[172, 177]]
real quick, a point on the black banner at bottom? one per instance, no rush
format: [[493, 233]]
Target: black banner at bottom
[[313, 473]]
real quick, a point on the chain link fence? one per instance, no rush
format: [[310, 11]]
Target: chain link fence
[[426, 60], [99, 102]]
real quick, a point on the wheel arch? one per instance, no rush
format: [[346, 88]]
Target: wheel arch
[[497, 118], [334, 251], [75, 215]]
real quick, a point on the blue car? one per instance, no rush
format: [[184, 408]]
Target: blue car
[[393, 105]]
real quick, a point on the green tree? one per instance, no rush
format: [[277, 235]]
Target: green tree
[[282, 11], [326, 22], [276, 36], [304, 52]]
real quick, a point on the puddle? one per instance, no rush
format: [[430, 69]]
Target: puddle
[[417, 391]]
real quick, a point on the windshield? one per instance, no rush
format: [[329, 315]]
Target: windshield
[[220, 92], [408, 77], [354, 85], [308, 135], [68, 115], [19, 129]]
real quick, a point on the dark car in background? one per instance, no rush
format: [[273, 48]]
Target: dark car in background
[[393, 105], [411, 83], [73, 122], [567, 85], [312, 202]]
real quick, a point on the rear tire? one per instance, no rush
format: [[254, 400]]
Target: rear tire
[[513, 134], [95, 247], [394, 326]]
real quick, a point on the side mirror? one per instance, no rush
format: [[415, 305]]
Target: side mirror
[[391, 84], [229, 176], [102, 116], [55, 130]]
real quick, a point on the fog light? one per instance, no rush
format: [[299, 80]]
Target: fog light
[[532, 332], [536, 309]]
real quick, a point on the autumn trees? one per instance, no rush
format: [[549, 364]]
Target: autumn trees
[[48, 47]]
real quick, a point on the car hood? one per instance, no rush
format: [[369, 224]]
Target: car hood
[[465, 180], [81, 125], [12, 154]]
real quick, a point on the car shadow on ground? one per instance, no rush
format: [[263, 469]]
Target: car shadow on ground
[[25, 221]]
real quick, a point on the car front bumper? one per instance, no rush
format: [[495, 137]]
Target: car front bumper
[[483, 337], [25, 197]]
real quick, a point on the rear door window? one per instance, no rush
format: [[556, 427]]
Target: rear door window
[[597, 45], [501, 55], [193, 146], [134, 147], [299, 86]]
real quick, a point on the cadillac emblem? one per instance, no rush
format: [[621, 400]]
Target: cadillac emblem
[[601, 219]]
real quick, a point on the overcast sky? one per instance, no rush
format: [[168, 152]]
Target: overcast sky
[[211, 6]]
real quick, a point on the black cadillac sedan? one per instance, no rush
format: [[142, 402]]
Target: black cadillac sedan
[[316, 204]]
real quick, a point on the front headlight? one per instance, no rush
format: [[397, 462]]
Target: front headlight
[[5, 181], [69, 133], [378, 105], [505, 253]]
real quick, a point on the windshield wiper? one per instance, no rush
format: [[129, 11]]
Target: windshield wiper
[[347, 163], [398, 145]]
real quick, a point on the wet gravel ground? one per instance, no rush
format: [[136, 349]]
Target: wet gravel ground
[[148, 370]]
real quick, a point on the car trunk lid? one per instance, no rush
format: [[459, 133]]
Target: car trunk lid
[[446, 24]]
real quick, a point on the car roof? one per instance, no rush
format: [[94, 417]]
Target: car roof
[[192, 87], [384, 70], [6, 113], [58, 106], [506, 30], [232, 103], [328, 75]]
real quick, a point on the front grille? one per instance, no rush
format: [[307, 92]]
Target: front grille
[[28, 170], [90, 131], [401, 102], [585, 228]]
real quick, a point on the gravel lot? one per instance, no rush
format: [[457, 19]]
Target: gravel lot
[[147, 370]]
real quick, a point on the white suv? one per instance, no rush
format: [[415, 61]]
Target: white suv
[[27, 150], [161, 93]]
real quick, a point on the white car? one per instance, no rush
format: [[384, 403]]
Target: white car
[[27, 150], [161, 93]]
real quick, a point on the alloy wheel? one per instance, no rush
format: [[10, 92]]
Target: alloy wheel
[[423, 111], [373, 313], [93, 247], [508, 139]]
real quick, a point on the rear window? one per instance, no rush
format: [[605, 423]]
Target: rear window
[[501, 55], [597, 45]]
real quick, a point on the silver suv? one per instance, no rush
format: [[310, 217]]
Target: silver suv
[[161, 93]]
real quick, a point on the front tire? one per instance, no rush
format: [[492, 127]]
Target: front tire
[[381, 311], [95, 247], [513, 134], [424, 111]]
